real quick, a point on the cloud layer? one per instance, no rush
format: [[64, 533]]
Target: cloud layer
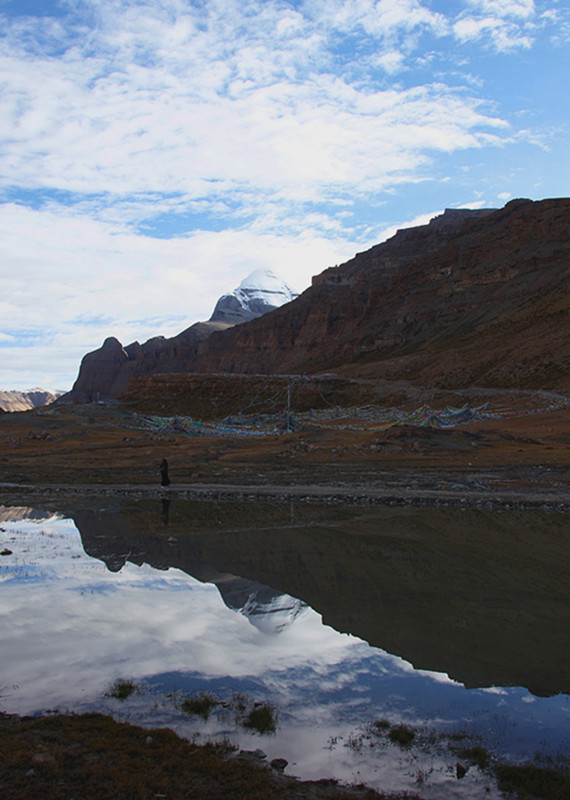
[[144, 144]]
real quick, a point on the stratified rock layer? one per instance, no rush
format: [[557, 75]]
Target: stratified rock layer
[[106, 372], [475, 298], [463, 301]]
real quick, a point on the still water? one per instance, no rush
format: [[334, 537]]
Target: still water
[[454, 623]]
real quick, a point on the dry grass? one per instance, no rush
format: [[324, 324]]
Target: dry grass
[[99, 445], [93, 757]]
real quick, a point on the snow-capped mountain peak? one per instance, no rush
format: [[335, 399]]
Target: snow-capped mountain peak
[[262, 291]]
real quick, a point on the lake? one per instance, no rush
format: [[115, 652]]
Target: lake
[[349, 622]]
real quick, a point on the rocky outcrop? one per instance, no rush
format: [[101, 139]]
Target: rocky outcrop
[[25, 401], [474, 298], [105, 373]]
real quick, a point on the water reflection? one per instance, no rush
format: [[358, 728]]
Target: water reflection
[[117, 593], [482, 596]]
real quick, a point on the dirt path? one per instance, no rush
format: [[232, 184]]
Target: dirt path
[[470, 493]]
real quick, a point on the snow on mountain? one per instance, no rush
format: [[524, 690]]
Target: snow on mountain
[[24, 401], [267, 609], [262, 291]]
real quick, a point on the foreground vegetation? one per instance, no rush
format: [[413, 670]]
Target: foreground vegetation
[[91, 756]]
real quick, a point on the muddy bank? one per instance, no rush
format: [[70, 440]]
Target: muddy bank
[[415, 490]]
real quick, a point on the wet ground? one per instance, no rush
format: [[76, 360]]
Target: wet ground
[[502, 577], [402, 647]]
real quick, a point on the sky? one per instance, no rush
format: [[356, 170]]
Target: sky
[[153, 153]]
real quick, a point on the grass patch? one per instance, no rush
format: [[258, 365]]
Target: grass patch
[[475, 755], [262, 718], [201, 705], [380, 726], [402, 735], [529, 782], [122, 689]]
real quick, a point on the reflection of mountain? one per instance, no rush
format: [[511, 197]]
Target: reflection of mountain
[[266, 609], [109, 537], [482, 596]]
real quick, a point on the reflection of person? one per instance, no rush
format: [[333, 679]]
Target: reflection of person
[[165, 509], [164, 479]]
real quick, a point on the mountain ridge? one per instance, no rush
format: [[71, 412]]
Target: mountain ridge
[[13, 400], [483, 301], [477, 297], [106, 372]]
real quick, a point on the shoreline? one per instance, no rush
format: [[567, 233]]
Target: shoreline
[[403, 494]]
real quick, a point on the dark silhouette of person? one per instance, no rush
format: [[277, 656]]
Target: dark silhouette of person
[[164, 479], [165, 510]]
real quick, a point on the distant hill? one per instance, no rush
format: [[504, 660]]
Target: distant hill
[[476, 298], [25, 401]]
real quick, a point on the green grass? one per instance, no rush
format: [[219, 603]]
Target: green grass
[[122, 689], [201, 705], [529, 782], [262, 718], [380, 726], [402, 735], [475, 755]]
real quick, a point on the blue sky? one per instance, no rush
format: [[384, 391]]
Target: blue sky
[[154, 153]]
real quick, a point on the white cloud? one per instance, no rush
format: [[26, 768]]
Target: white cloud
[[507, 24], [380, 18], [248, 129], [522, 9], [69, 282], [146, 103], [504, 35]]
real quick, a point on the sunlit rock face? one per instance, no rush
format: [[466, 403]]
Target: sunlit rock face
[[260, 292], [24, 401]]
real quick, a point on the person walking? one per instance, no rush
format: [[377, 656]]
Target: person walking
[[164, 479]]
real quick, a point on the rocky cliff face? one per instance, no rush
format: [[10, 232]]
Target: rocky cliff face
[[106, 372], [474, 298]]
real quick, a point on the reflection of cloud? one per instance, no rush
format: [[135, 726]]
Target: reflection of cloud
[[85, 626], [70, 628]]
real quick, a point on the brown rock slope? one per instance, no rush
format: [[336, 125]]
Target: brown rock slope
[[462, 301], [106, 372], [475, 298]]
